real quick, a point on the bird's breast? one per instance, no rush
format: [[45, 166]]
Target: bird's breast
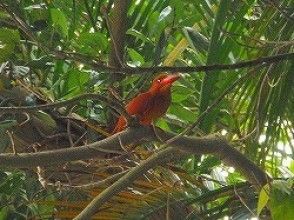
[[157, 108]]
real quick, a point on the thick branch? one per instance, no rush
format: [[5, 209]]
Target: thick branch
[[156, 159], [93, 150], [117, 28], [211, 144], [203, 145], [179, 147], [222, 149]]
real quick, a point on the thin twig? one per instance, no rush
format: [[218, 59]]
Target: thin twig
[[101, 183], [208, 109], [10, 135], [243, 202], [139, 70], [187, 69], [88, 96]]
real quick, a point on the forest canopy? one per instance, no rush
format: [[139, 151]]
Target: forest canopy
[[221, 148]]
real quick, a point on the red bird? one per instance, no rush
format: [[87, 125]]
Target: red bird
[[150, 105]]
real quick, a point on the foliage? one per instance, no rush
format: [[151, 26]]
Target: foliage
[[47, 58]]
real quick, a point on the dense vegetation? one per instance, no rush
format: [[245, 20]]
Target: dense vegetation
[[68, 67]]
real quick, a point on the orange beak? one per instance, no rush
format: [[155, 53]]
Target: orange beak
[[169, 79]]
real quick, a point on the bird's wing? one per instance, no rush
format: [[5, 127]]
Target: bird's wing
[[139, 104]]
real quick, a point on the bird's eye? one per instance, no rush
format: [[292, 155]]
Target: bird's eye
[[159, 80]]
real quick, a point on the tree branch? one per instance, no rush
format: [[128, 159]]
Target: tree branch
[[187, 69], [172, 69], [117, 28], [195, 145], [114, 68], [87, 96], [97, 149], [156, 159], [180, 147], [238, 65]]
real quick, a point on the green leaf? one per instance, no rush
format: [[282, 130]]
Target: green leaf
[[4, 212], [214, 55], [182, 113], [12, 184], [46, 209], [135, 56], [59, 21], [92, 43], [6, 124], [282, 201], [263, 198], [180, 93], [74, 83], [196, 40], [8, 40], [44, 122], [162, 124], [291, 166], [138, 35]]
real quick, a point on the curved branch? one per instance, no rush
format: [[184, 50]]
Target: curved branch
[[156, 159], [171, 69], [219, 147], [195, 145], [180, 147], [94, 150]]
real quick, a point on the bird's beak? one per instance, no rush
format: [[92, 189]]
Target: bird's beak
[[170, 79]]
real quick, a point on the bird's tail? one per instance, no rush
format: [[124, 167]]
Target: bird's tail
[[120, 125]]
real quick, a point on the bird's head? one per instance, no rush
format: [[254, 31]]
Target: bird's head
[[163, 82]]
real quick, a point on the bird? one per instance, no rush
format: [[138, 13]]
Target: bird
[[150, 105]]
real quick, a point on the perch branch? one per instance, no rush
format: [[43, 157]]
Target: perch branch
[[193, 145], [180, 147]]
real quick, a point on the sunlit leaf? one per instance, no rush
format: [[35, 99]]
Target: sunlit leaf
[[164, 13], [263, 198], [59, 21]]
